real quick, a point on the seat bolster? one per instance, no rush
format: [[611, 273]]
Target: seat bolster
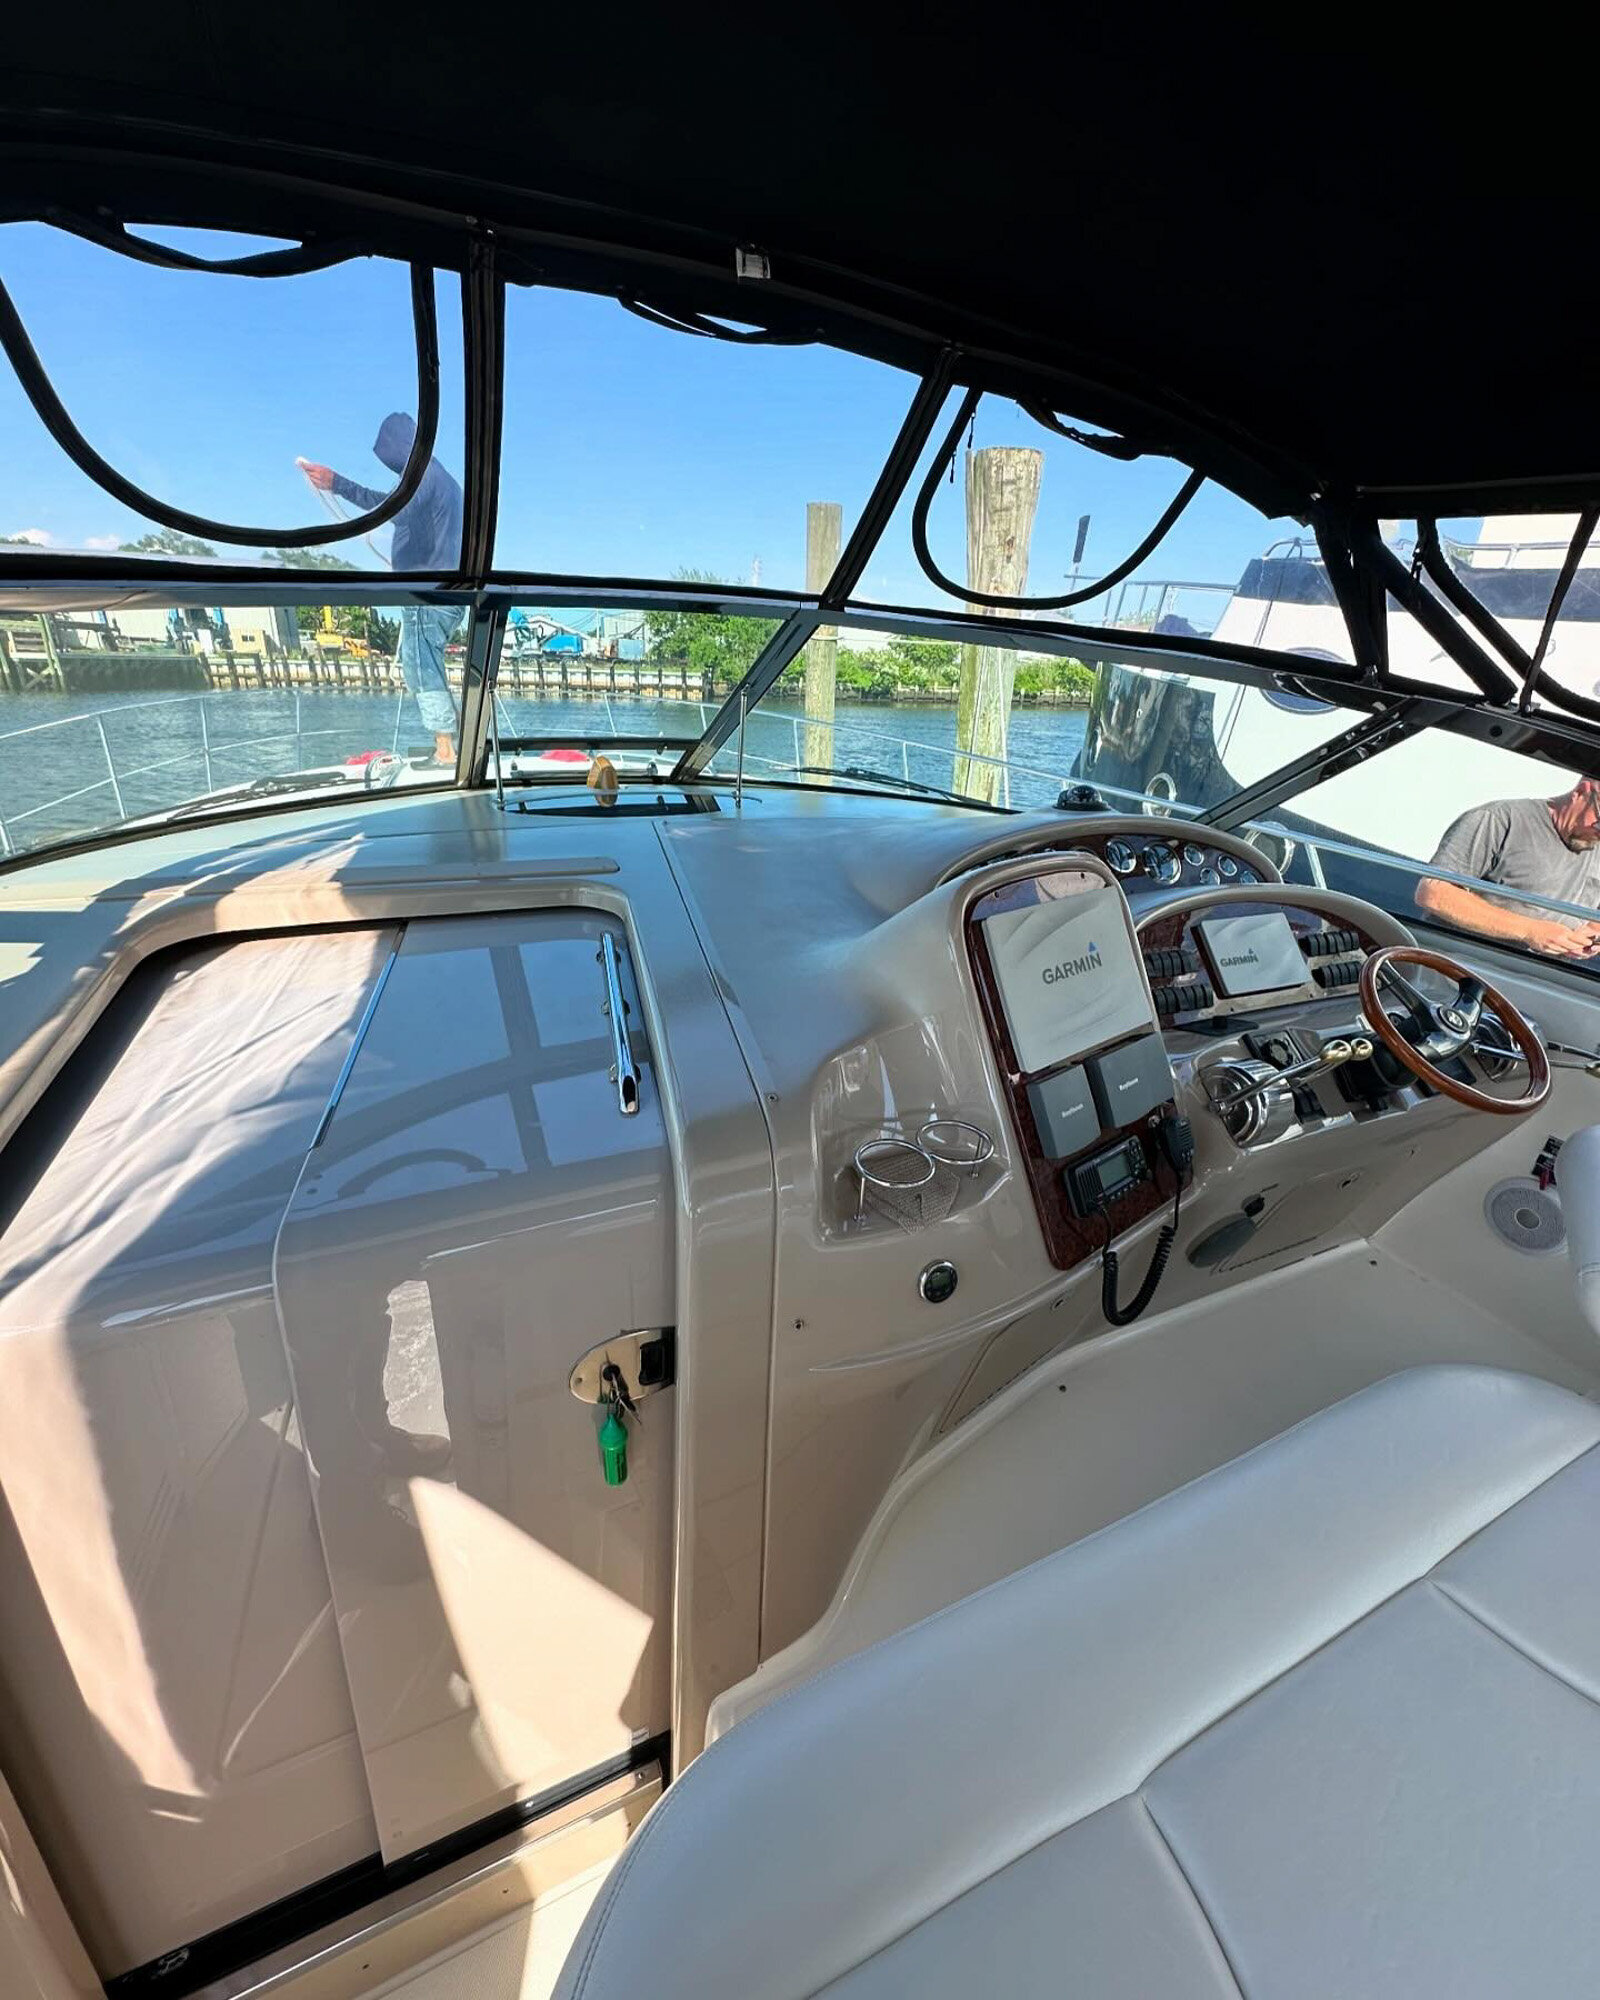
[[1579, 1181], [852, 1808]]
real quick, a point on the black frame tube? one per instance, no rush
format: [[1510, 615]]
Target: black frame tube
[[780, 651], [892, 481], [1461, 600], [1533, 679], [1483, 621], [483, 338], [486, 631], [1370, 552], [1360, 598]]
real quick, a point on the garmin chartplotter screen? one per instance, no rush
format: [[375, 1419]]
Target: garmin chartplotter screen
[[1069, 976], [1255, 952]]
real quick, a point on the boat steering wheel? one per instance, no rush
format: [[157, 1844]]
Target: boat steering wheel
[[1431, 1032]]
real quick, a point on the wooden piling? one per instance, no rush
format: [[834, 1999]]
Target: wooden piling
[[1002, 495], [823, 522]]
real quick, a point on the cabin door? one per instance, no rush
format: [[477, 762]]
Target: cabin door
[[478, 1213]]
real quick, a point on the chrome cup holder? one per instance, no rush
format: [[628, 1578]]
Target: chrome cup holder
[[915, 1182], [966, 1149], [896, 1180]]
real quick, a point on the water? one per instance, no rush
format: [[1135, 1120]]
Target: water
[[74, 764], [916, 742]]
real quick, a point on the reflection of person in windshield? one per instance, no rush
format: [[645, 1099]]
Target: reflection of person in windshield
[[427, 536], [1540, 847]]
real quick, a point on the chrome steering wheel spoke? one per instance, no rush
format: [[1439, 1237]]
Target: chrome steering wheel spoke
[[1439, 1029], [1412, 995]]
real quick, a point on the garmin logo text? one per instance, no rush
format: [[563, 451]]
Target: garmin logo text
[[1070, 968], [1246, 957]]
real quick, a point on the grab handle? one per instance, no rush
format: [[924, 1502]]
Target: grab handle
[[624, 1070]]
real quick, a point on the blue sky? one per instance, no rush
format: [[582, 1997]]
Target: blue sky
[[629, 450]]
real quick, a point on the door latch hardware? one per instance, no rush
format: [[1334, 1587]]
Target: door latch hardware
[[644, 1360]]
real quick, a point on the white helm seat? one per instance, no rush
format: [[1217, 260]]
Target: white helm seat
[[1578, 1179], [1325, 1722]]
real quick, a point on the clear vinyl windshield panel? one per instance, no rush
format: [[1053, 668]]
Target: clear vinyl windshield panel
[[282, 403]]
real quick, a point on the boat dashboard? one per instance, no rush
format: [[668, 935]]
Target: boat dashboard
[[1248, 1009], [891, 967]]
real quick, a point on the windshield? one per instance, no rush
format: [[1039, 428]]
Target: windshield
[[639, 687], [112, 713]]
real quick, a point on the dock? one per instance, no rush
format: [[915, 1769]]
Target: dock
[[33, 661]]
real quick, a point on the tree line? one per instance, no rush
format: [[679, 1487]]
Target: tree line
[[726, 643]]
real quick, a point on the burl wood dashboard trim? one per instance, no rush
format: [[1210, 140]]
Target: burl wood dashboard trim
[[1069, 1238]]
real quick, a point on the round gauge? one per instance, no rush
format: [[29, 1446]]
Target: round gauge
[[1246, 876], [1194, 854], [1120, 857], [1162, 863], [1227, 866], [1209, 878]]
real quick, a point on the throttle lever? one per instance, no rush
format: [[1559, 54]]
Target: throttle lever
[[1335, 1052]]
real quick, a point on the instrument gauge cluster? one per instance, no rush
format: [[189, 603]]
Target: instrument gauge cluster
[[1141, 863], [1162, 863], [1122, 857]]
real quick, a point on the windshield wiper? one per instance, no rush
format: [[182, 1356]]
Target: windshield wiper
[[268, 785], [865, 775], [274, 786]]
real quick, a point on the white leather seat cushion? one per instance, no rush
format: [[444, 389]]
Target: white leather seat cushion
[[1324, 1722]]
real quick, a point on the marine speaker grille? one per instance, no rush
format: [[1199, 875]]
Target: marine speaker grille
[[1526, 1216]]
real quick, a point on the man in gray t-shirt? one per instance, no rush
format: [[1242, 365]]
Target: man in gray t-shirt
[[1543, 847]]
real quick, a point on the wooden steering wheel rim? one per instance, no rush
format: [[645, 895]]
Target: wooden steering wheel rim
[[1516, 1023]]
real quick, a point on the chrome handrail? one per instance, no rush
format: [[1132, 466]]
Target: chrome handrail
[[205, 753], [94, 714], [625, 1072]]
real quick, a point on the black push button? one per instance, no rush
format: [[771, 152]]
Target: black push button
[[1169, 962]]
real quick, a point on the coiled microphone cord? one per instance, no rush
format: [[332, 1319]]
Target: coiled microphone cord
[[1177, 1142]]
